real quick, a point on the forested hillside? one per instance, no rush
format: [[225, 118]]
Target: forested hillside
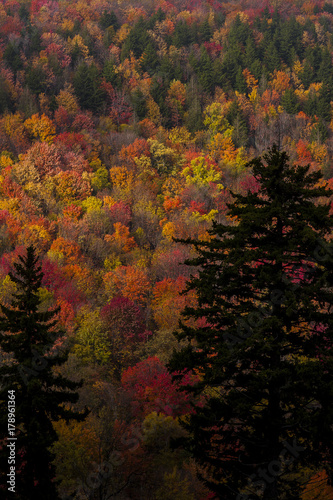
[[124, 125]]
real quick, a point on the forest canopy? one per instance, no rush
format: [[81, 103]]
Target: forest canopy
[[124, 127]]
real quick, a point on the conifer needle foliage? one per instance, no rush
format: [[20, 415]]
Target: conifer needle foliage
[[30, 343], [263, 340]]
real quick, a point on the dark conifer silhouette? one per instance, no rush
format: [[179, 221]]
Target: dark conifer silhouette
[[264, 351], [28, 342]]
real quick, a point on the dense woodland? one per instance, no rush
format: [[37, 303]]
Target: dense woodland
[[125, 125]]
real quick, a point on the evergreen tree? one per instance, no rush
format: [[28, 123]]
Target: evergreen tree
[[289, 102], [240, 84], [263, 341], [137, 40], [139, 104], [182, 35], [231, 63], [324, 103], [35, 44], [310, 27], [271, 57], [108, 19], [291, 38], [307, 74], [193, 118], [240, 133], [6, 102], [108, 36], [36, 80], [87, 87], [256, 69], [311, 104], [110, 74], [276, 21], [219, 77], [239, 32], [159, 92], [157, 17], [12, 57], [328, 8], [149, 59], [169, 71], [24, 13], [205, 70], [325, 68], [28, 343], [314, 56], [205, 31], [319, 132], [250, 52]]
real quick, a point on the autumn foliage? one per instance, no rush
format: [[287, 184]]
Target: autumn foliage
[[124, 127]]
